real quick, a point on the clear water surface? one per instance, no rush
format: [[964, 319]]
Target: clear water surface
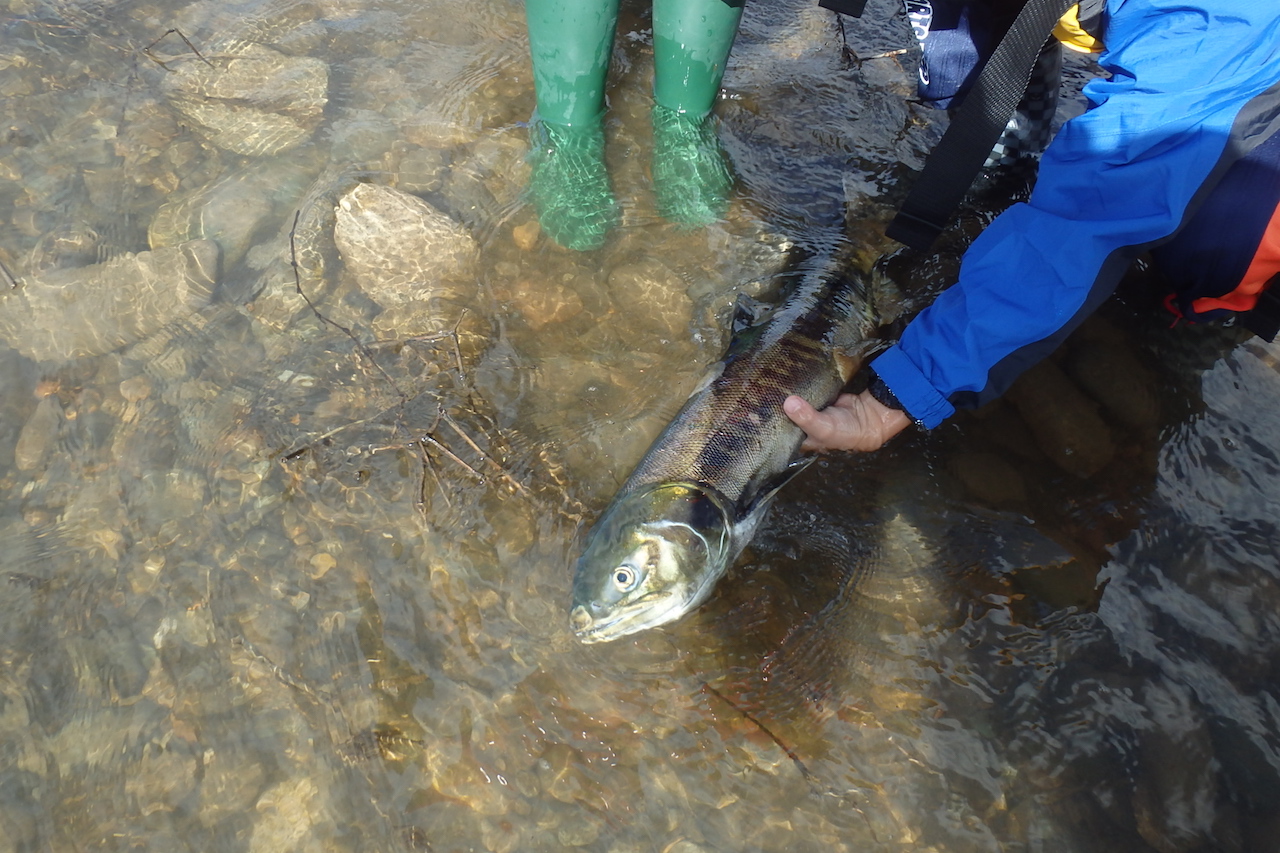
[[285, 567]]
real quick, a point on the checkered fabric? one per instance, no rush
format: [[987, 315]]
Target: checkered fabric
[[953, 50], [1029, 130]]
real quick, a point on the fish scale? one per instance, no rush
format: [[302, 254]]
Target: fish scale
[[729, 421], [698, 494]]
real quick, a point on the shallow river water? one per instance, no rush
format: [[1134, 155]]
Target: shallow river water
[[287, 545]]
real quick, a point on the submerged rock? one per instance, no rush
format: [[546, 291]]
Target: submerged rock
[[292, 815], [990, 478], [653, 297], [100, 308], [1112, 374], [254, 102], [543, 302], [1063, 420], [401, 249], [37, 435], [1175, 794], [229, 212]]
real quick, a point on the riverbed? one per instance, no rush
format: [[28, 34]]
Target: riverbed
[[287, 557]]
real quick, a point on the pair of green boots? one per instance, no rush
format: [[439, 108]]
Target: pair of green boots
[[571, 42], [570, 186]]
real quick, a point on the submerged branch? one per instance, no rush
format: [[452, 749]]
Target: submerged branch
[[360, 346], [146, 51], [804, 771]]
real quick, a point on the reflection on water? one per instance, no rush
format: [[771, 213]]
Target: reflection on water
[[287, 548]]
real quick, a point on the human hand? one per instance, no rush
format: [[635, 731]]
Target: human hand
[[853, 422]]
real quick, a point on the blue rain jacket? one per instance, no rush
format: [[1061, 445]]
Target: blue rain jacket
[[1194, 87]]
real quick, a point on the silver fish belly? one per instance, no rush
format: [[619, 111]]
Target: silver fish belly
[[694, 501]]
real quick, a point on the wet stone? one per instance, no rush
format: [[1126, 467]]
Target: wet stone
[[1000, 425], [65, 247], [1112, 375], [419, 170], [360, 136], [230, 785], [163, 779], [290, 814], [19, 830], [102, 739], [421, 318], [38, 434], [578, 830], [684, 845], [434, 128], [301, 39], [1064, 421], [542, 303], [399, 248], [255, 102], [97, 309], [503, 836], [229, 212], [651, 295], [135, 388], [500, 162], [321, 565], [276, 303], [525, 235], [989, 478], [1261, 834], [1174, 796]]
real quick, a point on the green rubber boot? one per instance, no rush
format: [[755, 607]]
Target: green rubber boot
[[691, 43], [570, 42], [570, 185], [691, 176]]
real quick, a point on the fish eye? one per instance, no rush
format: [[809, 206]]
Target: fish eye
[[625, 578]]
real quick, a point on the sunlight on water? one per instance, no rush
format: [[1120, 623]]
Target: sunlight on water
[[302, 422]]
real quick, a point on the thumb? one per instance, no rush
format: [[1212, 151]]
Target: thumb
[[799, 410]]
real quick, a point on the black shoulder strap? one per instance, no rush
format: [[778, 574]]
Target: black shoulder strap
[[968, 140], [853, 8]]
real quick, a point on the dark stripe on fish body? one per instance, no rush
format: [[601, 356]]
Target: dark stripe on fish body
[[793, 362], [720, 439], [723, 451]]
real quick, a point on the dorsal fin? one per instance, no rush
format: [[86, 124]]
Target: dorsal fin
[[749, 312]]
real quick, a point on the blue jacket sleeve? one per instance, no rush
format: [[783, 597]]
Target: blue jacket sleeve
[[1193, 87]]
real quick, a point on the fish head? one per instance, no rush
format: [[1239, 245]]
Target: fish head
[[653, 556]]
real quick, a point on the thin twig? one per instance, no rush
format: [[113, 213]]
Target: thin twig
[[846, 52], [8, 277], [515, 484], [804, 771], [888, 54], [297, 283], [428, 464], [428, 438], [289, 455], [457, 348], [146, 51]]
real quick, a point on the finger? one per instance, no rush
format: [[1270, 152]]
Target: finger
[[802, 414], [798, 409], [816, 425]]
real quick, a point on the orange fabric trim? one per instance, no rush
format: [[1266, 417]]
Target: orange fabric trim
[[1265, 265]]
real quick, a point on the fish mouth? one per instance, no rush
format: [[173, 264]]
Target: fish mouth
[[632, 620], [651, 611]]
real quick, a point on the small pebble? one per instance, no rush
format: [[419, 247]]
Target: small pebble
[[526, 236]]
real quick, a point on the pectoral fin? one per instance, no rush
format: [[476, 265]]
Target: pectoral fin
[[754, 507], [749, 312]]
